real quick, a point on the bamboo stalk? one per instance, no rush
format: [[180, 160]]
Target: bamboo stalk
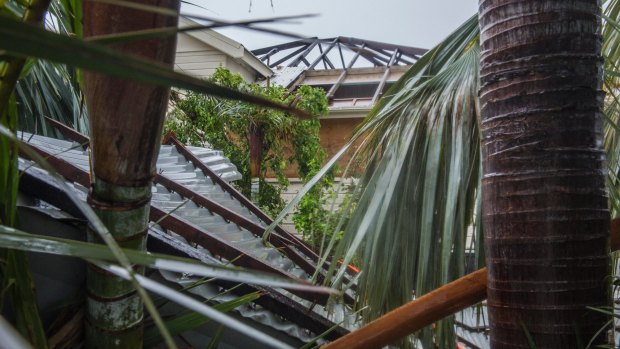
[[126, 123], [431, 307]]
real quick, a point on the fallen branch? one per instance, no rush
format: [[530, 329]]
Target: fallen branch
[[429, 308]]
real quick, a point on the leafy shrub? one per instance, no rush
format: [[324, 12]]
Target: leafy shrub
[[226, 125]]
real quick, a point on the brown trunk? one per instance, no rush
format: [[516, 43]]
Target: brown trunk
[[545, 210], [126, 116], [256, 149], [126, 124]]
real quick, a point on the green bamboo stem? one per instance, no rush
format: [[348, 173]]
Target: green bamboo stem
[[126, 119], [115, 309]]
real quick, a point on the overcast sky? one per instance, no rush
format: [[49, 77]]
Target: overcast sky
[[418, 23]]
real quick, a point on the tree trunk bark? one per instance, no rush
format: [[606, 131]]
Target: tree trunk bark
[[126, 125], [545, 210], [256, 157]]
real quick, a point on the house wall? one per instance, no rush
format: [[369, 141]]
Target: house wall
[[233, 66], [194, 57], [334, 135]]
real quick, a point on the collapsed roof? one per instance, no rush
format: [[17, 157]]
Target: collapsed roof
[[196, 213], [353, 72]]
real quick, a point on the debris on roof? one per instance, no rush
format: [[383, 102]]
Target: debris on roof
[[199, 215]]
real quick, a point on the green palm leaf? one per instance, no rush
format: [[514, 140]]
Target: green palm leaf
[[611, 53], [419, 194], [421, 182], [18, 240], [21, 39]]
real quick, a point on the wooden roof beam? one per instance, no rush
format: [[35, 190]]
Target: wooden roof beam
[[329, 62], [380, 56], [408, 50], [372, 57], [287, 57], [386, 74], [323, 55], [269, 54], [303, 55], [341, 56], [285, 46], [336, 85]]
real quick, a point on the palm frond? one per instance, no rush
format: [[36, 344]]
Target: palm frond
[[24, 40], [418, 201], [418, 195], [611, 54], [50, 90]]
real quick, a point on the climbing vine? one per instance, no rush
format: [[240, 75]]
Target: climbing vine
[[285, 141]]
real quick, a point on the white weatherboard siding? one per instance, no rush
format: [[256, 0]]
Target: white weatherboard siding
[[200, 52], [233, 66], [196, 58]]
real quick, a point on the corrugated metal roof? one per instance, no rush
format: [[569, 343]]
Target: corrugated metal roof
[[284, 76], [176, 167], [472, 327], [471, 323]]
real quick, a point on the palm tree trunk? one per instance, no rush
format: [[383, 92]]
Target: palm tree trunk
[[126, 125], [256, 156], [545, 210]]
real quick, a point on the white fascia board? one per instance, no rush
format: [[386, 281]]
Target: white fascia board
[[346, 113]]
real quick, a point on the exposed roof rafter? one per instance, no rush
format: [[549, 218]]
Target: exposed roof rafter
[[318, 51]]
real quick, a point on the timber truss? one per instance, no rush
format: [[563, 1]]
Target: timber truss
[[331, 63], [313, 52]]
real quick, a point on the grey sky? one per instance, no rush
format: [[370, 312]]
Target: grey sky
[[419, 23]]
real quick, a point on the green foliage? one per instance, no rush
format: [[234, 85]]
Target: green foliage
[[16, 282], [225, 125], [49, 88]]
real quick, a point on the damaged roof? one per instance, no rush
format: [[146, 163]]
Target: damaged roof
[[196, 213], [201, 216], [353, 72]]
